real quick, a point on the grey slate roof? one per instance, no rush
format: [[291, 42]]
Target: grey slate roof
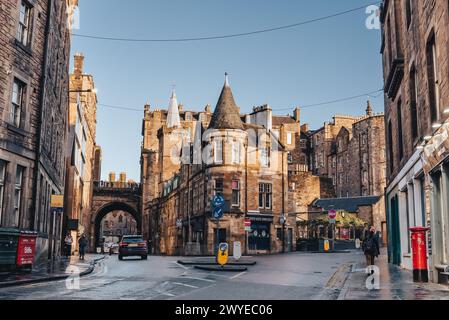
[[347, 204], [226, 114]]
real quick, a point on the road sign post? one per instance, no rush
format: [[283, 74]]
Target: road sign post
[[332, 221], [218, 203]]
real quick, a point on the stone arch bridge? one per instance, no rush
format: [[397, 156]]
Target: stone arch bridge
[[113, 196]]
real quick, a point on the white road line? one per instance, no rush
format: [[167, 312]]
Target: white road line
[[180, 265], [200, 279], [185, 285], [165, 293], [238, 275]]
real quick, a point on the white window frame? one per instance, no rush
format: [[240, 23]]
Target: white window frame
[[218, 151], [265, 189], [17, 101], [18, 192], [236, 153], [24, 26], [265, 157], [289, 138], [238, 193]]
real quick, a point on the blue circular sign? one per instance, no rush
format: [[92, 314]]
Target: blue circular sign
[[218, 201]]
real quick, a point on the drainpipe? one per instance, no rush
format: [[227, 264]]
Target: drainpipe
[[40, 119], [246, 192]]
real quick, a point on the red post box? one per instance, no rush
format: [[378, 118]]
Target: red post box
[[419, 249], [26, 249]]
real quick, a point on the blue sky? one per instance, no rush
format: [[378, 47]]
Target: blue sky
[[309, 64]]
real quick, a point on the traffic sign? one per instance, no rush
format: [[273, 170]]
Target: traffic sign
[[248, 225], [332, 214], [218, 213], [223, 254], [218, 201]]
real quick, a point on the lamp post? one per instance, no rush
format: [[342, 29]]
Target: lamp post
[[283, 220]]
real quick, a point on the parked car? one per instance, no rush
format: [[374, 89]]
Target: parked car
[[110, 247], [133, 246]]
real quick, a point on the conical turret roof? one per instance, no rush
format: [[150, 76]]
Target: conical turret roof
[[173, 119], [226, 114]]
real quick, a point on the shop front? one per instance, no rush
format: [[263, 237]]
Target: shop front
[[436, 166], [259, 238]]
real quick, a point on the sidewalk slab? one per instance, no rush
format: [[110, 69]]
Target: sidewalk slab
[[47, 273], [395, 284]]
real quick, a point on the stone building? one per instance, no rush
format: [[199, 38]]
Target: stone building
[[117, 224], [81, 151], [242, 157], [323, 143], [415, 56], [351, 152], [34, 62]]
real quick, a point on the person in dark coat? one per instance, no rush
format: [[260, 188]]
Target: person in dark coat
[[83, 246], [370, 246]]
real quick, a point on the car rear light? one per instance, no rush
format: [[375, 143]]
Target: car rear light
[[142, 244], [123, 244]]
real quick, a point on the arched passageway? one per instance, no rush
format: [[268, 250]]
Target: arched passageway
[[111, 207]]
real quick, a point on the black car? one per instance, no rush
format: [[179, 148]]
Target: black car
[[133, 246]]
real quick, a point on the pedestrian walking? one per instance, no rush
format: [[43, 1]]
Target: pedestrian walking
[[68, 245], [83, 246], [370, 246]]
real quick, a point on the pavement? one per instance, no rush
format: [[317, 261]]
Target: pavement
[[394, 284], [61, 270]]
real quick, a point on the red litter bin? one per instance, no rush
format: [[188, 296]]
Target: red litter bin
[[26, 249], [419, 249]]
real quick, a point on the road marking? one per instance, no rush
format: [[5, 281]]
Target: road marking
[[185, 285], [180, 265], [200, 279], [165, 293], [238, 275]]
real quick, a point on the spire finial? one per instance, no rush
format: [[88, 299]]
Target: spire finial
[[369, 108], [226, 79]]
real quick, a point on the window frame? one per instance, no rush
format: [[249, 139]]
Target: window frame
[[265, 196], [24, 28], [3, 172], [18, 194], [235, 191], [17, 102]]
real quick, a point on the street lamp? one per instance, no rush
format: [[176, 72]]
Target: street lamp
[[283, 220]]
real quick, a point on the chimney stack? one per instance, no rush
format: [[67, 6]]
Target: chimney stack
[[79, 64], [112, 177], [123, 177], [297, 114]]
